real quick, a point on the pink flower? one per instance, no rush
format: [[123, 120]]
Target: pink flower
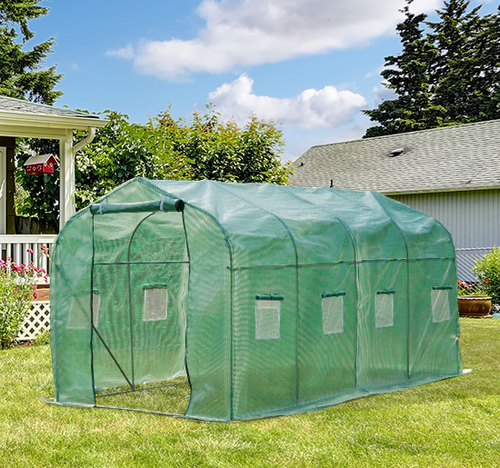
[[29, 251], [35, 294], [9, 259]]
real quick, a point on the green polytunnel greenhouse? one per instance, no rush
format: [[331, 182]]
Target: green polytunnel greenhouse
[[264, 300]]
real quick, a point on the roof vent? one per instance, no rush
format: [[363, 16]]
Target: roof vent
[[396, 152]]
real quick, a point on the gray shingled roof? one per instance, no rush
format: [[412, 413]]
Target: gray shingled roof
[[460, 157], [26, 107]]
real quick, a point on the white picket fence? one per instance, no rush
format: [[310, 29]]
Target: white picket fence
[[37, 321]]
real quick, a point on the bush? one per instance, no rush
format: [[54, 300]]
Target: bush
[[42, 339], [487, 269], [17, 289]]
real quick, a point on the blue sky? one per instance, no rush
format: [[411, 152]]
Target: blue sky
[[308, 65]]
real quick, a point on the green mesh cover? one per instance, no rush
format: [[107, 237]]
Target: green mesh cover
[[272, 300]]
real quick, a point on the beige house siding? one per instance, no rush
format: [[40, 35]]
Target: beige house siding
[[472, 217]]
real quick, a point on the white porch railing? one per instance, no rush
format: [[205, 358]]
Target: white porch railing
[[16, 247]]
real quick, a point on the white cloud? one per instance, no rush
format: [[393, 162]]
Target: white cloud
[[252, 32], [381, 94], [326, 107]]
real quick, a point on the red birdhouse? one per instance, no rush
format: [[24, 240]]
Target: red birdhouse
[[43, 164]]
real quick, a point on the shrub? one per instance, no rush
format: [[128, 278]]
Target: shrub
[[487, 269], [17, 289], [43, 338]]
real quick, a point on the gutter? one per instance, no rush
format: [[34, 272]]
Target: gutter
[[50, 121], [88, 139], [444, 190]]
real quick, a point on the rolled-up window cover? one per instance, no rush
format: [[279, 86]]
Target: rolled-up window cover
[[166, 204]]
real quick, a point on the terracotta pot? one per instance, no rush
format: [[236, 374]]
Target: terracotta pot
[[474, 306]]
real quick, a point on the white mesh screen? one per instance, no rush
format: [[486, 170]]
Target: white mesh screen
[[440, 305], [267, 320], [384, 310], [79, 316], [155, 303], [333, 314], [96, 307]]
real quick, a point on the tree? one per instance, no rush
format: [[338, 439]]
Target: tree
[[37, 194], [21, 73], [408, 75], [164, 148], [446, 76], [218, 150], [454, 67]]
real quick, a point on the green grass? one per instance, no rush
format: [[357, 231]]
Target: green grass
[[452, 423]]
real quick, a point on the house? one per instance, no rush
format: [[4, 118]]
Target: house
[[450, 173], [19, 118]]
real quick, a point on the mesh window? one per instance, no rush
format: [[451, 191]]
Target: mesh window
[[79, 315], [333, 314], [155, 303], [267, 319], [384, 309], [96, 307], [440, 305]]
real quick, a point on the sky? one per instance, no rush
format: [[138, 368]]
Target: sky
[[310, 66]]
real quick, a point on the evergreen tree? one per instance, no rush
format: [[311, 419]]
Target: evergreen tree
[[408, 75], [453, 70], [21, 73], [456, 69]]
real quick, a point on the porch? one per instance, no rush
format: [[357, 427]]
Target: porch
[[16, 247]]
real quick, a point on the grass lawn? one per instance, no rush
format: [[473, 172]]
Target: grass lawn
[[452, 423]]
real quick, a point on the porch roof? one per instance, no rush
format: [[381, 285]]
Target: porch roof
[[19, 118]]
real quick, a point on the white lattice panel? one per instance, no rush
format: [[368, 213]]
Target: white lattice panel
[[37, 321]]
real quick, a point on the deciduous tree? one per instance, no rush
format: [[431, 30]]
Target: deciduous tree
[[164, 148]]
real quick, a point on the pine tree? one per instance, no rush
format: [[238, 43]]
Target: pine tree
[[21, 73], [408, 75], [454, 68], [456, 71]]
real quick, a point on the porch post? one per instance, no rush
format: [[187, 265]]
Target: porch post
[[67, 179], [3, 189]]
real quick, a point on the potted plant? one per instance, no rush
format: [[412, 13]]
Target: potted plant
[[472, 302]]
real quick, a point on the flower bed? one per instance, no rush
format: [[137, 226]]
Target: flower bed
[[18, 287]]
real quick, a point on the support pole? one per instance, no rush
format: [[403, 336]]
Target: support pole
[[67, 179]]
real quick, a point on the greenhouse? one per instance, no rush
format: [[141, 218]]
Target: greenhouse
[[261, 300]]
